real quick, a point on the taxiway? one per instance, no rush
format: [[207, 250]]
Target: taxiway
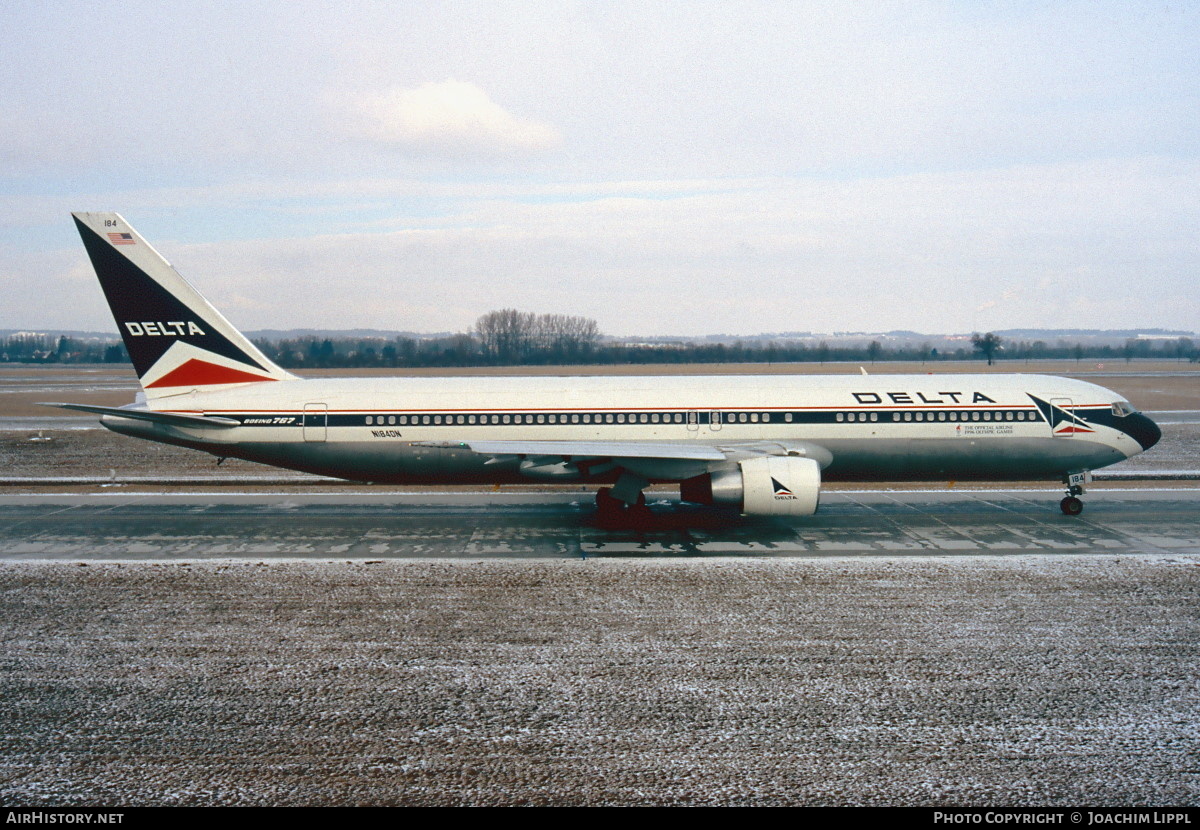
[[362, 525]]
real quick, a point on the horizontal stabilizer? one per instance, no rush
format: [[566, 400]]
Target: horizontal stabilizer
[[166, 418]]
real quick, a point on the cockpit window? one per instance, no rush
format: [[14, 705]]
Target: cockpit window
[[1122, 409]]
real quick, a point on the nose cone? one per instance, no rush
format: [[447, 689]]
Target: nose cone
[[1142, 430]]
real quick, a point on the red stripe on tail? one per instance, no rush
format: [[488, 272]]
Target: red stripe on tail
[[200, 373]]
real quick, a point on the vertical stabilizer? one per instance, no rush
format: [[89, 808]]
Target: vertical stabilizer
[[176, 339]]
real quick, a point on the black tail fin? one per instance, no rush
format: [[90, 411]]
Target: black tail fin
[[176, 339]]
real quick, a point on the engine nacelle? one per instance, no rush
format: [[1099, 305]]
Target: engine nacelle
[[768, 485]]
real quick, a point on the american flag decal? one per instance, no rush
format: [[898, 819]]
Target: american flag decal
[[121, 239]]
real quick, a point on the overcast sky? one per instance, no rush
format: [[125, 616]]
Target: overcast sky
[[664, 168]]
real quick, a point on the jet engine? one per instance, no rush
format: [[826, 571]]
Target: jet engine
[[769, 485]]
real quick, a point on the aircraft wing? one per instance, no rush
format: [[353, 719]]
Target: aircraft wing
[[598, 449], [656, 460], [167, 418]]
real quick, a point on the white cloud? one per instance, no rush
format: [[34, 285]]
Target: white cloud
[[1025, 247], [1089, 245], [452, 116]]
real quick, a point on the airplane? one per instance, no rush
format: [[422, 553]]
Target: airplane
[[762, 445]]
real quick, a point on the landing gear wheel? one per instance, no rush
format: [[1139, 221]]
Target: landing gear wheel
[[611, 509], [1071, 506], [639, 514], [606, 505]]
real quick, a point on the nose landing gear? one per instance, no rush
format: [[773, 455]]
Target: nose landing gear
[[1071, 505]]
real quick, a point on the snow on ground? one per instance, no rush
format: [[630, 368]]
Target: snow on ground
[[927, 681]]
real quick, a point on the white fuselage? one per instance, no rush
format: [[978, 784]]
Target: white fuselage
[[879, 427]]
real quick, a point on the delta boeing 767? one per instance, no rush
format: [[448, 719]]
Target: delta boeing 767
[[760, 444]]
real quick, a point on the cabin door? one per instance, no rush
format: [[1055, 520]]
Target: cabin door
[[316, 422], [1064, 428]]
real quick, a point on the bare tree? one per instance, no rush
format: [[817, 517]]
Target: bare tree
[[506, 335], [509, 336], [987, 345]]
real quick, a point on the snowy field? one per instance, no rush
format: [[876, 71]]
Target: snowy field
[[919, 681]]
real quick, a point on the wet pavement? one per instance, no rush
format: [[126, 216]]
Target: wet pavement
[[319, 526]]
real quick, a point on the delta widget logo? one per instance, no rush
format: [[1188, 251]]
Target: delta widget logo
[[782, 493]]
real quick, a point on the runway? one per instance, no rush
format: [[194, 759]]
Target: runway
[[115, 526]]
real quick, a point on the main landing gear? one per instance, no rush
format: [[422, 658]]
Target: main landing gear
[[624, 502], [611, 509], [1071, 504]]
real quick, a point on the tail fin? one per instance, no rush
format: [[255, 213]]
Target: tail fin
[[176, 339]]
